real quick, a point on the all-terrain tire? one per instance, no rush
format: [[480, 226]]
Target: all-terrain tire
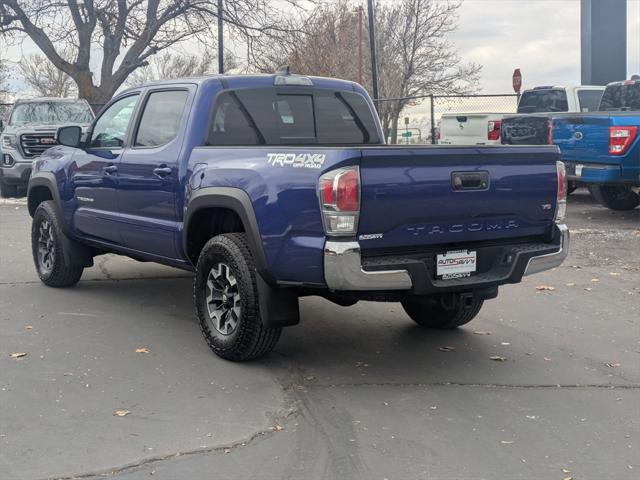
[[47, 244], [434, 315], [225, 273], [615, 197]]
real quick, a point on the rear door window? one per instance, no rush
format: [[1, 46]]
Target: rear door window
[[543, 100], [267, 116], [589, 100]]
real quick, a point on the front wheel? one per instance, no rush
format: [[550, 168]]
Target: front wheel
[[436, 315], [226, 298], [7, 191], [615, 197], [47, 245]]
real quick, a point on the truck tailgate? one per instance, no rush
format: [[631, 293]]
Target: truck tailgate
[[466, 128], [427, 196], [583, 137]]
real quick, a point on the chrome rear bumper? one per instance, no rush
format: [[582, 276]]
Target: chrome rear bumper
[[550, 260], [343, 269]]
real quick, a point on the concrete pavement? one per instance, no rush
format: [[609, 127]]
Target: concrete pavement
[[358, 392]]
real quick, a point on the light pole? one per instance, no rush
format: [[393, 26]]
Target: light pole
[[372, 46], [220, 38], [360, 44]]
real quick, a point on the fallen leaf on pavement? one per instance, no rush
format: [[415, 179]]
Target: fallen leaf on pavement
[[613, 365], [545, 287], [567, 478], [18, 355], [481, 332], [615, 274], [446, 348], [588, 289], [594, 280], [227, 450], [29, 327], [121, 413], [498, 358], [506, 442], [564, 470], [143, 350], [278, 428], [571, 284]]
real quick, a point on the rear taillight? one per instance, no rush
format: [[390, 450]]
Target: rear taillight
[[561, 197], [493, 129], [339, 192], [550, 131], [620, 139]]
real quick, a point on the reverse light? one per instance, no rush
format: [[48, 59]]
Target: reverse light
[[8, 141], [620, 139], [561, 197], [493, 129], [339, 192]]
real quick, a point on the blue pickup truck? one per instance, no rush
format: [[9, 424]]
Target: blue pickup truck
[[274, 187], [600, 149]]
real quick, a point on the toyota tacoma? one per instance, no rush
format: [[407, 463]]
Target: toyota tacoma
[[275, 187]]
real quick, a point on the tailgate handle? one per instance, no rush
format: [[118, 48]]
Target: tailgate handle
[[470, 180]]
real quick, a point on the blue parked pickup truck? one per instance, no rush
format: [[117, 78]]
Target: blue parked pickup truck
[[600, 149], [274, 187]]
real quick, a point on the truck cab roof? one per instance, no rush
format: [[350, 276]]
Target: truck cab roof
[[253, 80]]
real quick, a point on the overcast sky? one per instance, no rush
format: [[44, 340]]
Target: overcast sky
[[541, 37]]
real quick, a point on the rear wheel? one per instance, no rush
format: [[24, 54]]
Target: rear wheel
[[47, 245], [571, 187], [226, 298], [615, 197], [436, 315], [7, 191]]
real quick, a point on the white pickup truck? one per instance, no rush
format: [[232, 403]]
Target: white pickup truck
[[483, 128]]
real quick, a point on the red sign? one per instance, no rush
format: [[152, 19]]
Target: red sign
[[516, 80]]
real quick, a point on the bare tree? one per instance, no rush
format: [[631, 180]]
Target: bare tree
[[129, 32], [45, 78], [4, 78], [415, 56], [175, 65]]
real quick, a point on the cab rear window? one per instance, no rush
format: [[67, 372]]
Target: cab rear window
[[621, 97], [543, 100], [270, 117]]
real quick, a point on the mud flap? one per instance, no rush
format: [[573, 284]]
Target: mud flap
[[278, 306]]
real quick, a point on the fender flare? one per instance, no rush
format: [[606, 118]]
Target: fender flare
[[238, 201], [44, 179], [278, 306], [75, 253]]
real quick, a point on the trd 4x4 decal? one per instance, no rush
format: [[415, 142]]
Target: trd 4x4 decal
[[296, 160]]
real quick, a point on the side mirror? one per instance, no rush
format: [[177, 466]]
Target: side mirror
[[69, 136]]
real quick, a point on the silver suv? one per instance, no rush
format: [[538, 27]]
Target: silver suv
[[31, 129]]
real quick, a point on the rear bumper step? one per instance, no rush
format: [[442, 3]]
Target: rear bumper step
[[346, 270]]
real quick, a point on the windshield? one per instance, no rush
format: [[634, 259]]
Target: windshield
[[51, 113], [543, 100], [621, 97]]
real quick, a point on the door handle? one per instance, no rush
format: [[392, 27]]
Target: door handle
[[162, 171], [110, 170]]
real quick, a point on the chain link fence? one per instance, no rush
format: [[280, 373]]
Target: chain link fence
[[419, 119]]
